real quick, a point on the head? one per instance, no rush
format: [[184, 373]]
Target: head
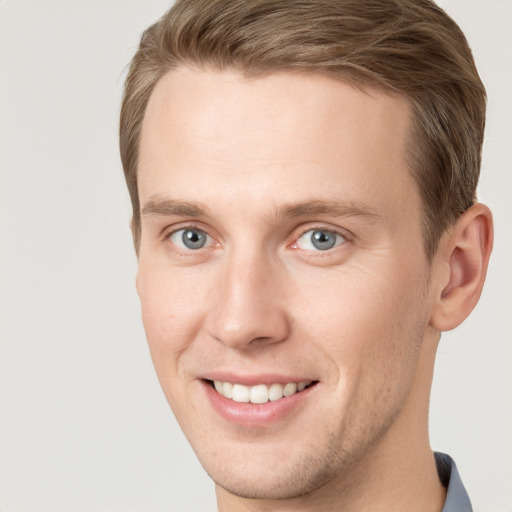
[[303, 182]]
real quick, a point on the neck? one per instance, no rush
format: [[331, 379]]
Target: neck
[[399, 473]]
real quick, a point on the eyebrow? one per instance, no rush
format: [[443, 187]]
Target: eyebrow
[[168, 207], [334, 208], [156, 206]]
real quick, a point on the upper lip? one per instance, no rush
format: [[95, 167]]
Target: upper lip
[[253, 380]]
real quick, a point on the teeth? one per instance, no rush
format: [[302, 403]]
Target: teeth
[[259, 394], [290, 389], [275, 392], [227, 390], [241, 393]]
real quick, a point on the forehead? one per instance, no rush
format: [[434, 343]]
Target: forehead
[[294, 133]]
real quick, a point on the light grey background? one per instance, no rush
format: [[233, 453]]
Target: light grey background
[[84, 425]]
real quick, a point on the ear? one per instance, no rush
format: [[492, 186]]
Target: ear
[[462, 259]]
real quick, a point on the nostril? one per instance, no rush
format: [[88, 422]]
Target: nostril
[[262, 339]]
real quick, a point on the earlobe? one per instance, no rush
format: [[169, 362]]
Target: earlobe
[[464, 254]]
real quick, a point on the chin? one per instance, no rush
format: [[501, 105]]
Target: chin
[[275, 475], [279, 486]]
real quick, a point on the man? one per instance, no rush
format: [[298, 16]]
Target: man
[[303, 180]]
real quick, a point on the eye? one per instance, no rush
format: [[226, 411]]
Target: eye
[[319, 240], [190, 238]]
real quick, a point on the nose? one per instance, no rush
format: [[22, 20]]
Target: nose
[[249, 308]]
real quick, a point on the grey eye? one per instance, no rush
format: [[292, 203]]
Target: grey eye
[[190, 238], [323, 240], [319, 240]]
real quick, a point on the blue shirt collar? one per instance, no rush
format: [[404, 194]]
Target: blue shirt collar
[[457, 499]]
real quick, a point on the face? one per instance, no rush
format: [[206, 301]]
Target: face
[[282, 276]]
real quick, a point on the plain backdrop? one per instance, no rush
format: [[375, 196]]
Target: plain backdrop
[[84, 425]]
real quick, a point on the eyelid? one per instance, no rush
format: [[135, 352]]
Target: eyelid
[[308, 244], [300, 231], [344, 233], [169, 230], [184, 226], [174, 238]]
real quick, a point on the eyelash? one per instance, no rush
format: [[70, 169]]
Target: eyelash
[[346, 237], [190, 227], [322, 229]]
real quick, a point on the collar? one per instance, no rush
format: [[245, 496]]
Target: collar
[[457, 499]]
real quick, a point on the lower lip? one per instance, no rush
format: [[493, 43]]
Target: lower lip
[[249, 414]]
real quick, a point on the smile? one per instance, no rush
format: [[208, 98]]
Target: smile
[[260, 393]]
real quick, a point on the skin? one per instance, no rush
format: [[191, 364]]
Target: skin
[[362, 319]]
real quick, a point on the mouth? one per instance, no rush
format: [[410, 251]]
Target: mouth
[[259, 393], [264, 401]]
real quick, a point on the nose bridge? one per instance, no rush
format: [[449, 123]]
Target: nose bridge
[[249, 304]]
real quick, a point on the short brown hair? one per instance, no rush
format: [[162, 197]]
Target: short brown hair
[[409, 47]]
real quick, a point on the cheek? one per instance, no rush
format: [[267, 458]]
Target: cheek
[[370, 330], [172, 310], [364, 321]]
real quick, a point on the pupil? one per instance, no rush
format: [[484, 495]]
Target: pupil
[[323, 240]]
